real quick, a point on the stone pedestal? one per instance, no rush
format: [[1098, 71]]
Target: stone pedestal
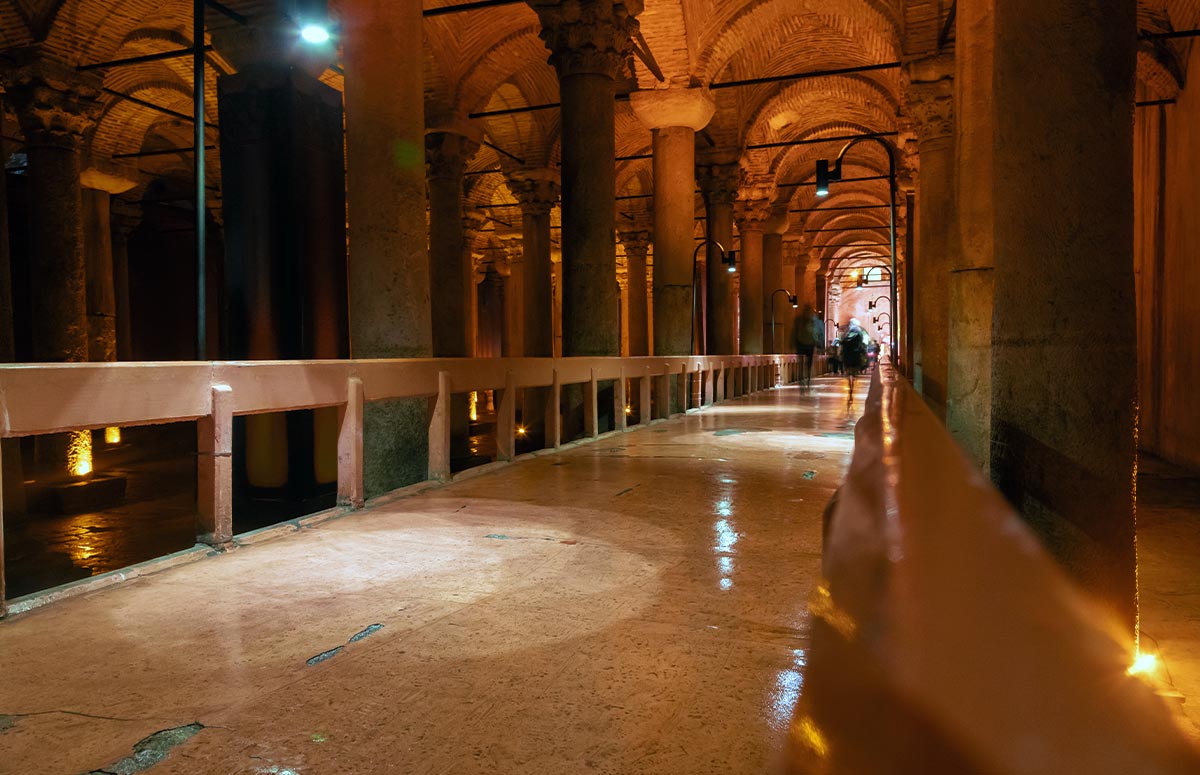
[[719, 184], [929, 100], [1063, 381], [388, 263]]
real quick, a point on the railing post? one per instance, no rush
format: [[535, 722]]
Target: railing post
[[3, 594], [620, 420], [350, 447], [644, 410], [506, 420], [664, 393], [553, 416], [439, 431], [214, 470], [591, 408], [710, 386], [685, 388]]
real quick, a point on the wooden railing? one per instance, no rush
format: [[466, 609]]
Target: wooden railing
[[946, 639], [51, 398]]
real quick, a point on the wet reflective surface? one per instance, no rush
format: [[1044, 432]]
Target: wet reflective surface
[[633, 605]]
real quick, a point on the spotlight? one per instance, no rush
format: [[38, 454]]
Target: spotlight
[[315, 34], [822, 177], [730, 260], [521, 430], [793, 301]]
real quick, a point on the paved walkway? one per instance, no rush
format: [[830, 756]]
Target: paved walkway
[[634, 605]]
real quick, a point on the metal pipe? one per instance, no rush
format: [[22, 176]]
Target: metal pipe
[[829, 209], [818, 140], [801, 76], [165, 111], [845, 228], [159, 152], [461, 7], [201, 193], [178, 53]]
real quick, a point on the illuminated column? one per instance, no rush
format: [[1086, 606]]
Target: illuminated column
[[98, 188], [389, 263], [929, 88], [751, 214], [449, 260], [674, 116], [775, 305], [637, 244], [1063, 376], [537, 191], [513, 274], [719, 184], [589, 41]]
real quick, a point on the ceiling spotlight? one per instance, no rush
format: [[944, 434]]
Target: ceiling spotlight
[[315, 34], [822, 177], [793, 301], [730, 260]]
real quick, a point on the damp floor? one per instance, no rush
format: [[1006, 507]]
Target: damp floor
[[633, 605]]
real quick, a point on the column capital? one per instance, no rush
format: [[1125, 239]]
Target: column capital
[[54, 104], [663, 108], [929, 96], [447, 152], [636, 240], [752, 214], [719, 182], [104, 175], [473, 221], [536, 190], [588, 36]]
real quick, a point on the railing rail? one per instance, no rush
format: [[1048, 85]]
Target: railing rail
[[51, 398], [945, 637]]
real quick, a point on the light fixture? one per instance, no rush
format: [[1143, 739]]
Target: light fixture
[[628, 409], [1143, 663], [729, 259], [795, 302], [521, 430], [315, 34], [823, 177]]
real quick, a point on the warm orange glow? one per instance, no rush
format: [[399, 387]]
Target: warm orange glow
[[474, 401], [628, 409], [112, 435], [521, 430], [1143, 664], [79, 453]]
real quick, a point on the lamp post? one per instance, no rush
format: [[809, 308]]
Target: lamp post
[[791, 300], [728, 258], [876, 318], [871, 304], [825, 175]]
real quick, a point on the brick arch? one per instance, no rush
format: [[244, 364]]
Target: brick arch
[[94, 30], [850, 98], [634, 177], [754, 26], [502, 61], [665, 24]]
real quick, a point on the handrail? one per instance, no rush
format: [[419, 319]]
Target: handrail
[[946, 639], [59, 397]]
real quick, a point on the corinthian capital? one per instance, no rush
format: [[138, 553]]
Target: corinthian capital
[[929, 96], [536, 190], [719, 182], [54, 104], [447, 153], [588, 36]]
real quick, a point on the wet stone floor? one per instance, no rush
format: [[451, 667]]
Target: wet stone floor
[[634, 605]]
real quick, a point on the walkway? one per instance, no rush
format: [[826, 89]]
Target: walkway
[[637, 604]]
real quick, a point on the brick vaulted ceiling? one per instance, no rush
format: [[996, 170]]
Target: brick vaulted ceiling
[[491, 59]]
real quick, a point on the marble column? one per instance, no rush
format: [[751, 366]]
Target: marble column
[[388, 261], [98, 188], [674, 116], [751, 216], [775, 305], [637, 245], [537, 191], [12, 469], [719, 185], [1052, 161], [513, 289], [929, 86], [447, 154], [589, 41], [124, 220]]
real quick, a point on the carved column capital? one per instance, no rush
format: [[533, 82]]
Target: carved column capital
[[719, 182], [664, 108], [473, 222], [54, 104], [752, 214], [636, 241], [447, 153], [588, 36], [536, 190], [929, 96]]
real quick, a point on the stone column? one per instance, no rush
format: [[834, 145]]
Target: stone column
[[124, 221], [389, 263], [473, 273], [589, 41], [929, 85], [637, 244], [537, 191], [98, 188], [447, 153], [775, 305], [719, 184], [512, 276], [751, 215], [1051, 159], [674, 116], [55, 108]]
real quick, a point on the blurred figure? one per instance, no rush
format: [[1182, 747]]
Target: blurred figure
[[854, 352], [808, 331], [834, 356]]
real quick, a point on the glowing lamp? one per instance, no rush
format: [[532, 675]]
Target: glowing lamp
[[473, 402], [628, 409], [79, 453], [729, 259], [112, 435], [793, 301], [822, 177], [521, 430], [315, 34], [1143, 664]]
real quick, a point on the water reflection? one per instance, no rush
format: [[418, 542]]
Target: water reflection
[[727, 536], [786, 692]]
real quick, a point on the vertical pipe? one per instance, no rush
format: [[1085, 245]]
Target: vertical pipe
[[198, 161]]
